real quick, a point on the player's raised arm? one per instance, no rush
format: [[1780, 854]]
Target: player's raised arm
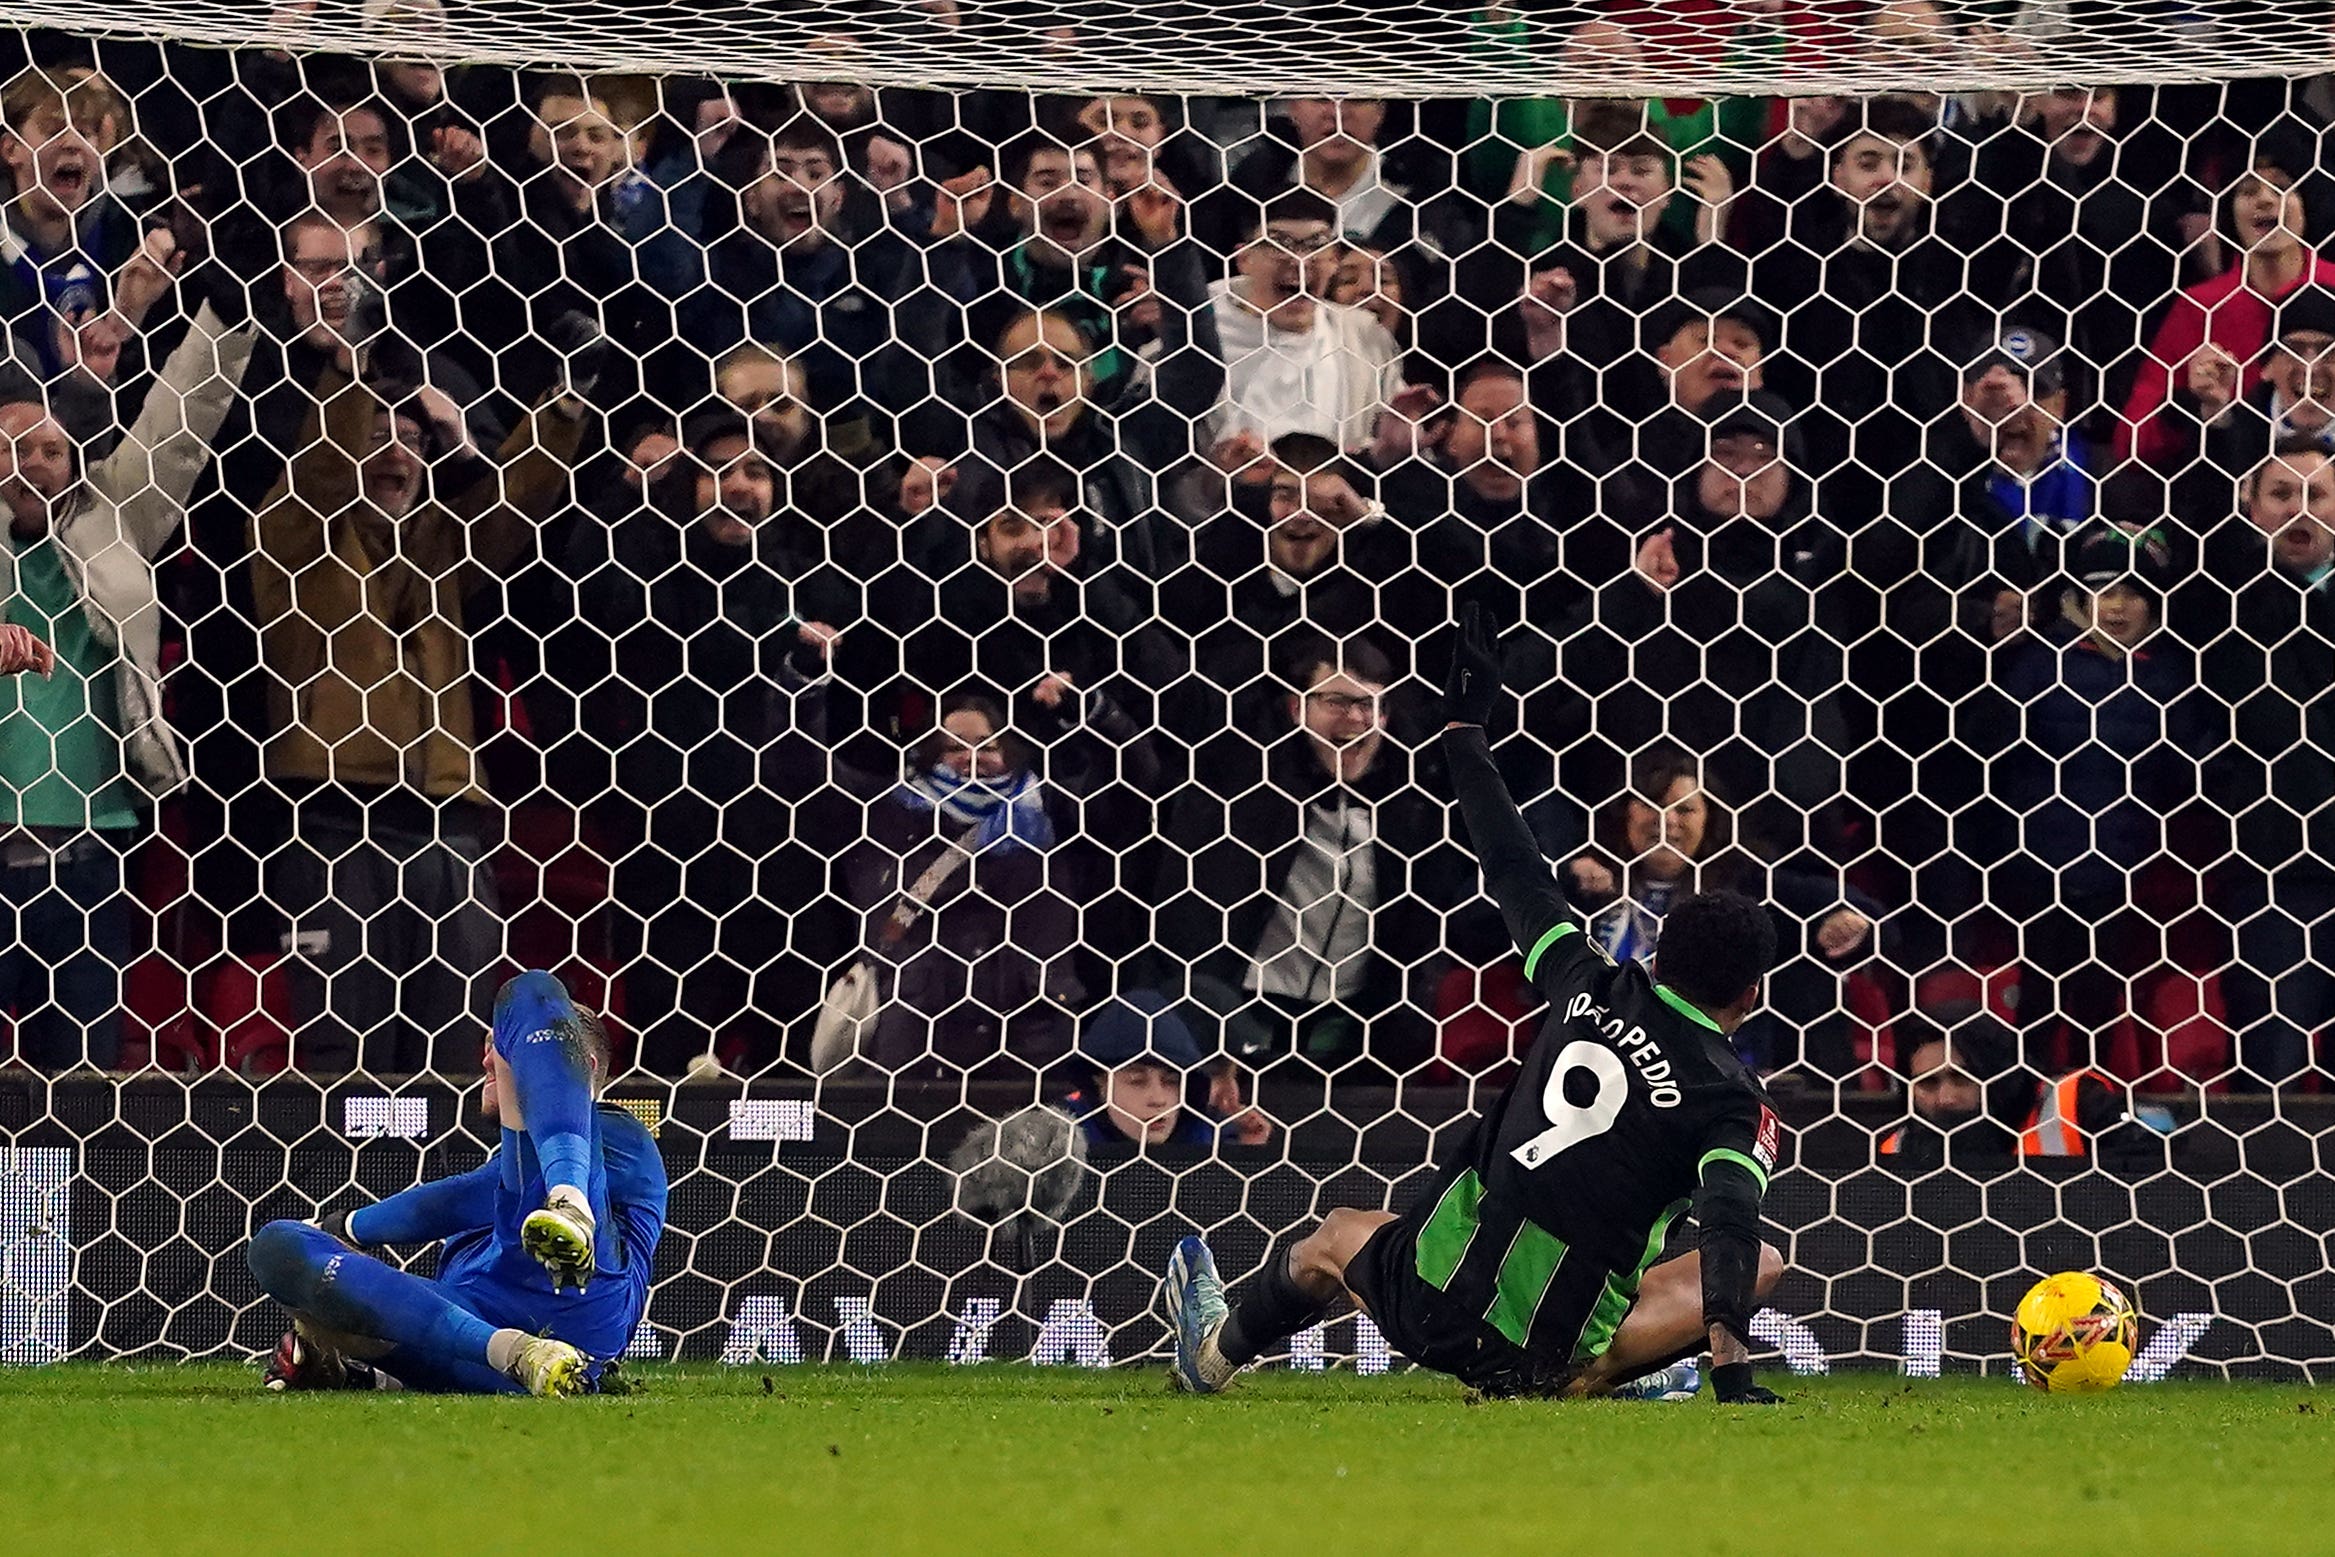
[[1515, 872]]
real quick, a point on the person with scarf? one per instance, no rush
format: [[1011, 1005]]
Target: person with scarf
[[1120, 263], [977, 960], [1614, 251], [78, 274]]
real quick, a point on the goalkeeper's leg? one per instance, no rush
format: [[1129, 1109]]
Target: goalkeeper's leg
[[538, 1035], [1215, 1339], [1665, 1324], [345, 1299]]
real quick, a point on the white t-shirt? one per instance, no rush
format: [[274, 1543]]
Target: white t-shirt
[[1329, 380]]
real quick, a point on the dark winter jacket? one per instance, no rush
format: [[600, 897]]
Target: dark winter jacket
[[2107, 748]]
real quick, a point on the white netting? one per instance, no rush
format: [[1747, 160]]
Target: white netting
[[923, 601], [1592, 47]]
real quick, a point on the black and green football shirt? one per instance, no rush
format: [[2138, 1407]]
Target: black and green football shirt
[[1630, 1104]]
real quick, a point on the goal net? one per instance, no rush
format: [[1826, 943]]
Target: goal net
[[908, 552]]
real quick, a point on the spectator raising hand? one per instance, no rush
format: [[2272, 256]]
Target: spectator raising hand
[[1548, 297], [1842, 933], [2211, 377], [458, 153], [21, 649], [1408, 427], [1658, 560], [1712, 183], [927, 484], [961, 204], [147, 277], [1156, 209]]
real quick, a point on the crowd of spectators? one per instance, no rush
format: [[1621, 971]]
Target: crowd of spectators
[[1010, 537]]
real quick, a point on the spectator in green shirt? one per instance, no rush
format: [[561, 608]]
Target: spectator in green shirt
[[83, 747]]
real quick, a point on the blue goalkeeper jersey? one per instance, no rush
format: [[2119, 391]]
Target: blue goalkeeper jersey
[[628, 1204]]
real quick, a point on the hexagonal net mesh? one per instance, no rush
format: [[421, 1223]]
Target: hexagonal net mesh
[[923, 599]]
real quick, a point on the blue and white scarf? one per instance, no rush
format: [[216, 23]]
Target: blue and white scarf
[[1009, 810], [1629, 926]]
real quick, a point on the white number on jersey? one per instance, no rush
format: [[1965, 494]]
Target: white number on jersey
[[1570, 1124]]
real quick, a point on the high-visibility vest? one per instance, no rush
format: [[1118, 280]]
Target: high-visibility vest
[[2052, 1130]]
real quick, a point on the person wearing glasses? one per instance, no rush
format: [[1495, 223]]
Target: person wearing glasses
[[1294, 361]]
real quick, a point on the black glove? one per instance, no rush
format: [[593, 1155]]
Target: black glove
[[1731, 1382], [582, 349], [1473, 688], [336, 1223]]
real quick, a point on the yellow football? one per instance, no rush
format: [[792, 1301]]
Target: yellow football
[[2073, 1334]]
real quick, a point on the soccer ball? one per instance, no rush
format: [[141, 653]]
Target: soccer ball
[[2073, 1334]]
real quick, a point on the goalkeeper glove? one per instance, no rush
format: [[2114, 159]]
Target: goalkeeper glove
[[336, 1223], [1474, 684]]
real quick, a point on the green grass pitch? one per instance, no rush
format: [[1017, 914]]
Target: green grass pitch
[[1010, 1458]]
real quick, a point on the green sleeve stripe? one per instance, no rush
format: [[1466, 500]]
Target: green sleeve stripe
[[1554, 934], [1749, 1165]]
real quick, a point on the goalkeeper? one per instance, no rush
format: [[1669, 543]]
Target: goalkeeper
[[1529, 1267], [548, 1244]]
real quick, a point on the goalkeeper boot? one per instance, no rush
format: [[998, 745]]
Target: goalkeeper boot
[[559, 1237], [549, 1368], [1679, 1381], [1196, 1311]]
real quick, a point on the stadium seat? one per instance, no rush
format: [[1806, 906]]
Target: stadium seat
[[159, 1024], [1870, 1038], [2188, 1019], [1483, 1021], [248, 1003]]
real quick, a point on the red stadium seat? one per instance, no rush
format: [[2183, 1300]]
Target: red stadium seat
[[1870, 1038], [159, 1025], [1483, 1023], [247, 1000]]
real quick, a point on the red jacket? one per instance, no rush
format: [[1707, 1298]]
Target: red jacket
[[2224, 311]]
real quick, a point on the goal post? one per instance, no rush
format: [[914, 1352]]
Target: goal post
[[908, 550]]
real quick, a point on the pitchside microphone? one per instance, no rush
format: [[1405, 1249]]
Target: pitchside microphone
[[1019, 1171]]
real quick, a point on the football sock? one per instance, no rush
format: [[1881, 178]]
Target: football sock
[[1270, 1309], [555, 1094], [502, 1349], [312, 1273]]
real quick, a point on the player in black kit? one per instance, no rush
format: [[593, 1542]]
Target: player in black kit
[[1529, 1267]]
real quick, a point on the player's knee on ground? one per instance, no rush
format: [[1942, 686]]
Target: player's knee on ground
[[284, 1258], [1771, 1267]]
